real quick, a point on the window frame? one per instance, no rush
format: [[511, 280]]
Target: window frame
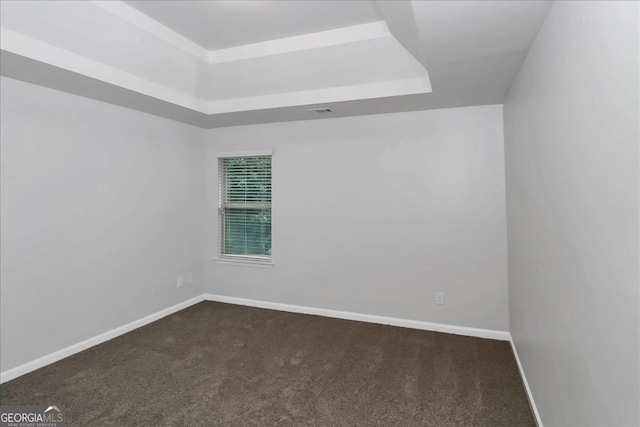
[[248, 260]]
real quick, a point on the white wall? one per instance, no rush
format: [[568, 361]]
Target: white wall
[[571, 138], [374, 214], [101, 211]]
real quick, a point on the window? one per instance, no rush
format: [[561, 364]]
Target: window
[[245, 207]]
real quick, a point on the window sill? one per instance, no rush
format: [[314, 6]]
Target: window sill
[[244, 262]]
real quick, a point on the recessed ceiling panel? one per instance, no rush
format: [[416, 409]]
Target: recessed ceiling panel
[[323, 68], [223, 24]]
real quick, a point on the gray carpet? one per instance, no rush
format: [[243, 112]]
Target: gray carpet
[[220, 364]]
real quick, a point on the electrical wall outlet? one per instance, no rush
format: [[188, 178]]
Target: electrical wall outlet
[[440, 298], [180, 282], [189, 278]]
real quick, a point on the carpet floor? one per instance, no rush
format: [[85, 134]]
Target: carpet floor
[[217, 364]]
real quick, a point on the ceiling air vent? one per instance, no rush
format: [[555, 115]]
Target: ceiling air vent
[[322, 110]]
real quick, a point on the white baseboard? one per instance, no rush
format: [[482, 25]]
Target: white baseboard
[[393, 321], [10, 374], [532, 402], [13, 373]]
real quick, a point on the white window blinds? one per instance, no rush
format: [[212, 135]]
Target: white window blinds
[[245, 208]]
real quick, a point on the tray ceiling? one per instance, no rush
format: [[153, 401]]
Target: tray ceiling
[[224, 24], [224, 63]]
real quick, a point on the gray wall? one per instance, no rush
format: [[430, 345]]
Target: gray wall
[[101, 211], [374, 214], [571, 138]]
